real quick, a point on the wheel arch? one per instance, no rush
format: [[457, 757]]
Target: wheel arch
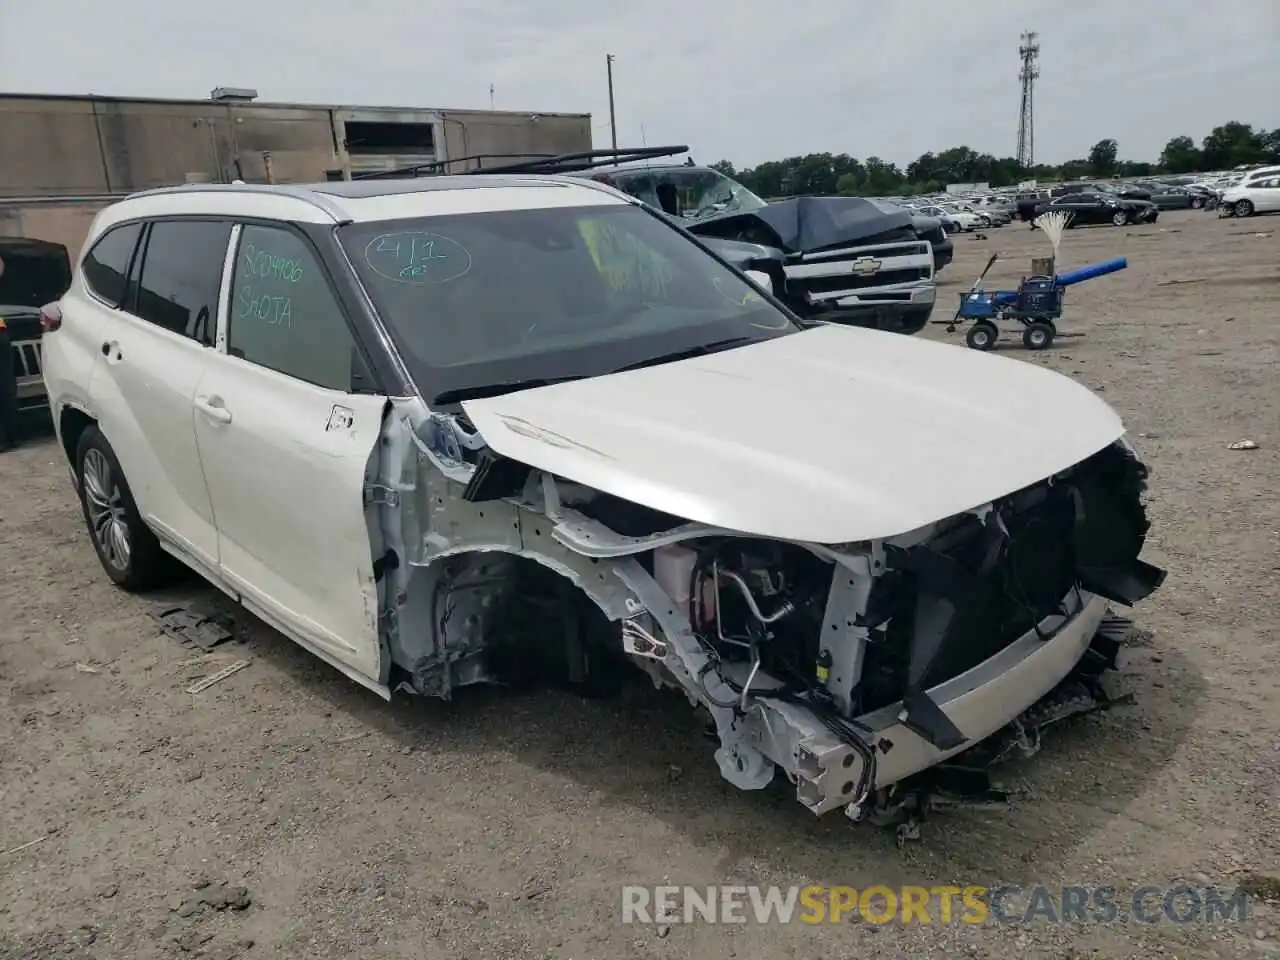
[[456, 611]]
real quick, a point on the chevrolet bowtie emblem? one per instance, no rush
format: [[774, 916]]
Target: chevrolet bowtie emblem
[[866, 266]]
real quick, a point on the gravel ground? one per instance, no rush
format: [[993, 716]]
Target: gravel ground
[[504, 825]]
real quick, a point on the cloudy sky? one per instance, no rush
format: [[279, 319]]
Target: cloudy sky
[[747, 80]]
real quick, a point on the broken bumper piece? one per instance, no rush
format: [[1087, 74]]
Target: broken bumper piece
[[980, 702]]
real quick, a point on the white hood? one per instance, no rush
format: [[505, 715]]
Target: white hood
[[831, 435]]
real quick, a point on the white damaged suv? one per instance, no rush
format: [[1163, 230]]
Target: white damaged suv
[[465, 429]]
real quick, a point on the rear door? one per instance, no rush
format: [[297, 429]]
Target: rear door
[[286, 427], [1266, 195], [152, 354]]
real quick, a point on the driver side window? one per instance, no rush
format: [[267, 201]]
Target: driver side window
[[284, 315]]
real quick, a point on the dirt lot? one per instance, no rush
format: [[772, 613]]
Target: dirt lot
[[505, 825]]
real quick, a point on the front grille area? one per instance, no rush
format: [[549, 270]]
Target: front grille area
[[878, 251], [849, 280], [947, 605], [27, 360]]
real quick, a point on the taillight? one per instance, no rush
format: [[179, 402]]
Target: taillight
[[50, 317]]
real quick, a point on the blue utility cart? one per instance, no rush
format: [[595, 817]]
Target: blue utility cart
[[1036, 305]]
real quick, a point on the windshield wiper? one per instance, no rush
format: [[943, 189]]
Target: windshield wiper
[[699, 351], [483, 390]]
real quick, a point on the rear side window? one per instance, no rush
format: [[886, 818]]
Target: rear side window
[[181, 273], [284, 315], [106, 266]]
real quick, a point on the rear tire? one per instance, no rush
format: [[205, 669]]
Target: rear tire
[[128, 550], [1038, 335], [1120, 218], [982, 335]]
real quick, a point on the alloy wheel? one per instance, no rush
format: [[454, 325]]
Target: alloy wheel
[[105, 506]]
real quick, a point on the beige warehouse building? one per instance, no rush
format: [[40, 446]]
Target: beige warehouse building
[[62, 158]]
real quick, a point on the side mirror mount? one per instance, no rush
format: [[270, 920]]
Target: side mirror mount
[[760, 279]]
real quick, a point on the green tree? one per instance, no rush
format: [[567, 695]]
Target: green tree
[[852, 184], [1271, 144], [1232, 144], [1102, 158], [820, 174], [1180, 155], [883, 177]]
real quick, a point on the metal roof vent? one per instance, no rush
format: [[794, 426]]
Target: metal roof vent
[[235, 94]]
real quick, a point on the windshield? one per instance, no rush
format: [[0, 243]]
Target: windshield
[[692, 193], [484, 299]]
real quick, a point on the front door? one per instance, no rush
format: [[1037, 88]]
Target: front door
[[285, 444]]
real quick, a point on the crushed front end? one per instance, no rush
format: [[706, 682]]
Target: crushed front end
[[858, 667], [851, 667]]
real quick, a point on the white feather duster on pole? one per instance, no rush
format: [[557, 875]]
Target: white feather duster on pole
[[1054, 224]]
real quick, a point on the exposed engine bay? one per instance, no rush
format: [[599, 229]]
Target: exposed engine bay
[[851, 667]]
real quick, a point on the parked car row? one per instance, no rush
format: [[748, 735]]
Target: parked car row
[[962, 215], [1257, 191]]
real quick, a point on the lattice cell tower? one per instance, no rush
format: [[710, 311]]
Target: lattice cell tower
[[1029, 50]]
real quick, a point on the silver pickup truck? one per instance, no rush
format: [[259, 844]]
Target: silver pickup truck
[[32, 273]]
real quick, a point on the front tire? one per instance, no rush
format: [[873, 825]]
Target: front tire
[[1120, 218], [1244, 208], [128, 550], [982, 335]]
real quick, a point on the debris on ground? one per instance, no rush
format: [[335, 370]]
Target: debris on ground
[[1242, 445], [193, 629], [227, 951], [1261, 885], [23, 846], [1170, 283], [218, 895], [85, 667], [207, 682]]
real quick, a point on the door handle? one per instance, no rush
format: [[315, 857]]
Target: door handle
[[108, 346], [214, 409], [106, 349]]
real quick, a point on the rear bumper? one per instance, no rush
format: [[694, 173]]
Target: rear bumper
[[29, 373]]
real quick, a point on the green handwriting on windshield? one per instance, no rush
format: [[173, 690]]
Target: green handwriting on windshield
[[627, 264], [417, 257]]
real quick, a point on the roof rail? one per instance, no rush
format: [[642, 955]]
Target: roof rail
[[541, 163], [296, 191]]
